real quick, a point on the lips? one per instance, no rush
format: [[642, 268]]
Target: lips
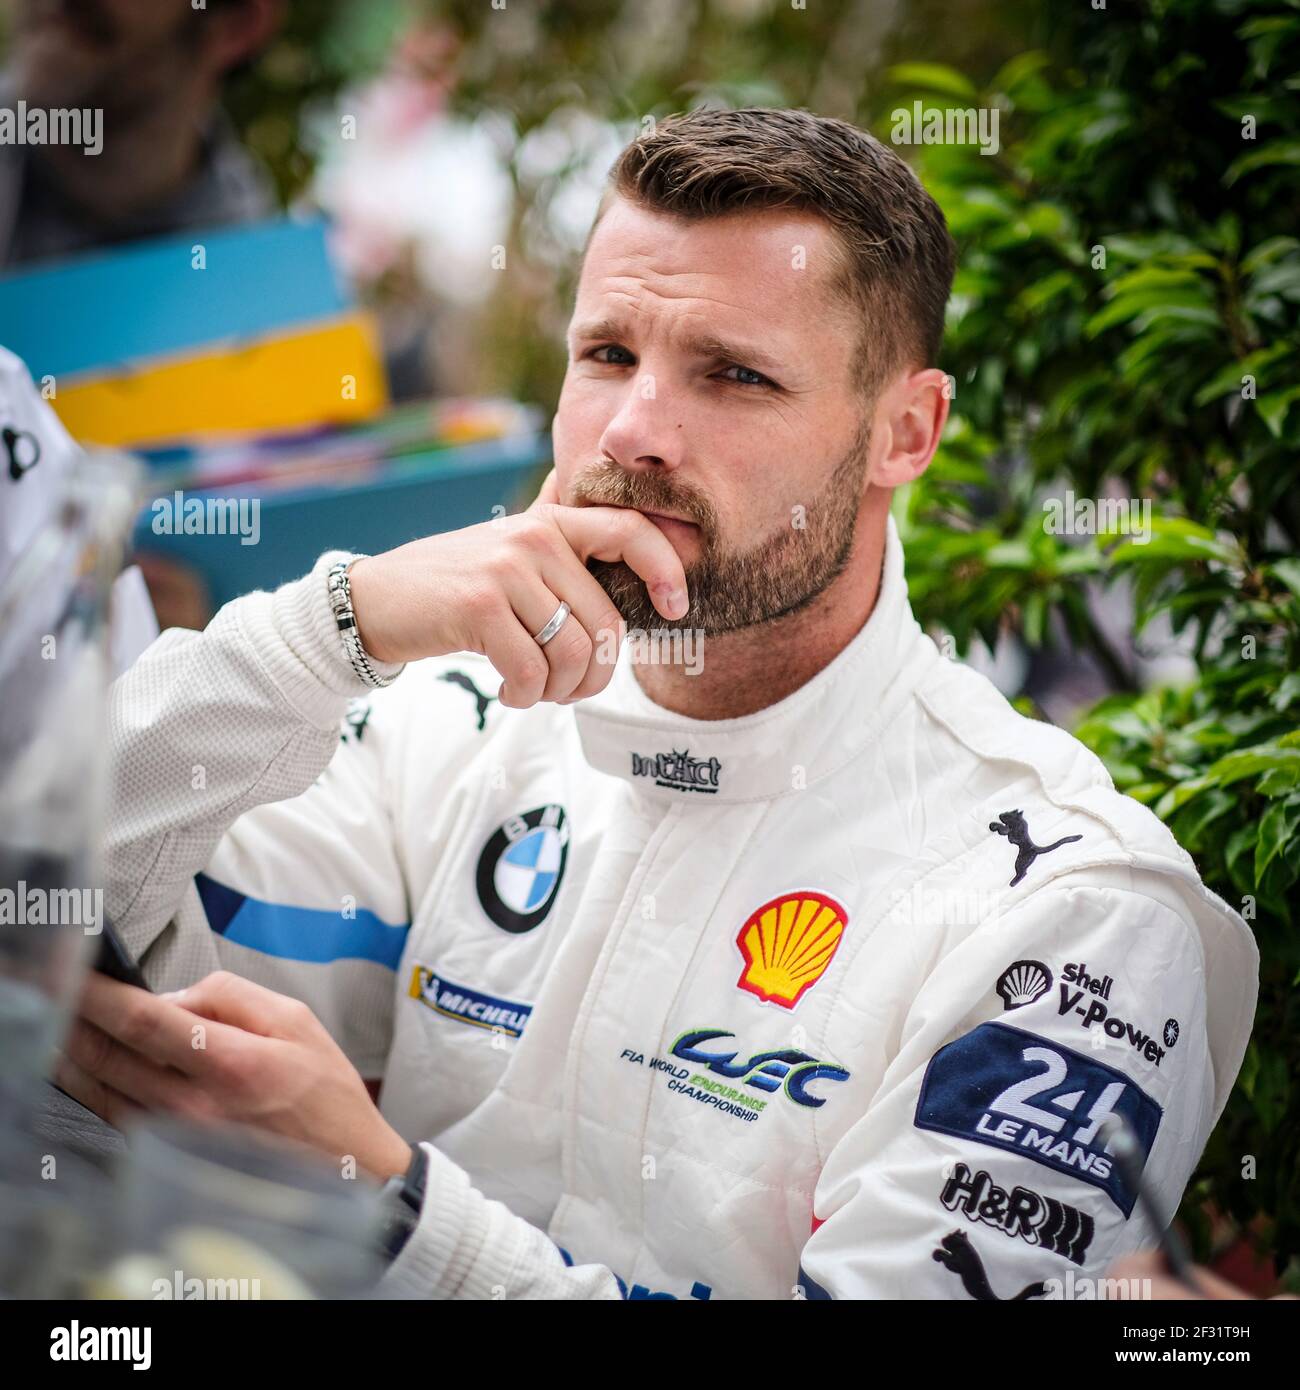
[[677, 528], [684, 535]]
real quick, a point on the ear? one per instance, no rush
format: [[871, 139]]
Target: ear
[[909, 421], [240, 32]]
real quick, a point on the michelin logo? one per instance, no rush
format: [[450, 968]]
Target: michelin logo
[[1016, 1091], [470, 1006]]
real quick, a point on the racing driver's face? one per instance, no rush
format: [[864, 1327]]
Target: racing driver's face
[[709, 386]]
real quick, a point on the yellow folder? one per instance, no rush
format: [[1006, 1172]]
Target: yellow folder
[[332, 373]]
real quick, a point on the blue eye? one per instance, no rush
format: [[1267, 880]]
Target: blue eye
[[759, 378], [610, 347]]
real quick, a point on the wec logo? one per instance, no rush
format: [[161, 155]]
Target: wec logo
[[786, 1067]]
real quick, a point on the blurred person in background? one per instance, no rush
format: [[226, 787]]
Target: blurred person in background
[[418, 259], [170, 158]]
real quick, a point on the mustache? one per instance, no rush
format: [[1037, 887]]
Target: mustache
[[605, 484]]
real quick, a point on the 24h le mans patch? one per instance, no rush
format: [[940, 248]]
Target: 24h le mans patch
[[1013, 1090]]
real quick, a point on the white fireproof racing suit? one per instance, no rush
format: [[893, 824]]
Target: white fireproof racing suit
[[834, 999]]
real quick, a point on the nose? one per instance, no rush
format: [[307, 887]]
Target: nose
[[645, 434]]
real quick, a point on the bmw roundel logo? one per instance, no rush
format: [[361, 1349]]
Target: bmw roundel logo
[[520, 868]]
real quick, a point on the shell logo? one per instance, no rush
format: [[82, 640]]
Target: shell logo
[[787, 945]]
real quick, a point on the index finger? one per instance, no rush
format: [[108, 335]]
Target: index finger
[[620, 533], [549, 492], [152, 1026]]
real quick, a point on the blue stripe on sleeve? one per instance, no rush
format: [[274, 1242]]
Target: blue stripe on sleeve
[[299, 933]]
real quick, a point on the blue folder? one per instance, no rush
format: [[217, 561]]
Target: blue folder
[[98, 312]]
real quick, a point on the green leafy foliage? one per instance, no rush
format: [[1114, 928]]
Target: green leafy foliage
[[1125, 325]]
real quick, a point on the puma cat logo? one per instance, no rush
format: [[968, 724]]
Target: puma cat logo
[[1012, 824], [482, 701], [955, 1252]]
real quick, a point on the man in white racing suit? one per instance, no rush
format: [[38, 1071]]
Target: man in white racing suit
[[787, 961]]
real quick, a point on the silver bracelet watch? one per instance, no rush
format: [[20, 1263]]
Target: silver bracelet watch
[[339, 588]]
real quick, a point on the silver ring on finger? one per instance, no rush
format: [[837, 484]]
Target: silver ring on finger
[[560, 617]]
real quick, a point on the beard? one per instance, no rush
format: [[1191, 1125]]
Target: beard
[[732, 589]]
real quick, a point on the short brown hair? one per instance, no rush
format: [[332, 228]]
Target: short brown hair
[[899, 256]]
